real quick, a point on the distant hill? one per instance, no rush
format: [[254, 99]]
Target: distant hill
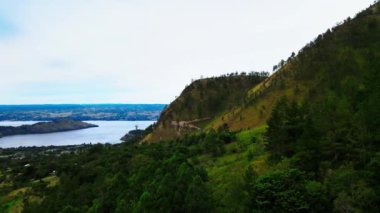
[[45, 127], [81, 112]]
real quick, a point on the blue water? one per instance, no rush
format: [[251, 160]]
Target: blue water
[[107, 132]]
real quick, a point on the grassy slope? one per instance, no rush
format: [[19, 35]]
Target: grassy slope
[[205, 98], [226, 172], [302, 78], [312, 71], [319, 65], [13, 201]]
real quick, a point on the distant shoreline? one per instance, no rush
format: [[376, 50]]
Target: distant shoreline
[[70, 119], [107, 132], [44, 127], [81, 112]]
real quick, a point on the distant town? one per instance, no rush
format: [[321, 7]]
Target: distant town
[[112, 112]]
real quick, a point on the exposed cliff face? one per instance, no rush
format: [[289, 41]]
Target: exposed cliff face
[[201, 102]]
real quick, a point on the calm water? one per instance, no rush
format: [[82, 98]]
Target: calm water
[[107, 132]]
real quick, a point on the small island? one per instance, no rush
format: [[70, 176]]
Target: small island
[[45, 127]]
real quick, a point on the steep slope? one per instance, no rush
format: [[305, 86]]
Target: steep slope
[[201, 102], [339, 58]]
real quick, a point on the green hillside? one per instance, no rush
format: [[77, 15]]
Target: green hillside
[[341, 57], [338, 62], [202, 101]]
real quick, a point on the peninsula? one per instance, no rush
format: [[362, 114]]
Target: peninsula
[[45, 127]]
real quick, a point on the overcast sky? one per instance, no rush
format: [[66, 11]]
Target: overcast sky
[[146, 51]]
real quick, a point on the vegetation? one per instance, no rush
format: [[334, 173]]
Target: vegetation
[[317, 148], [133, 134], [203, 100], [343, 58]]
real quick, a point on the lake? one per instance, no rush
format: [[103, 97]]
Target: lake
[[107, 132]]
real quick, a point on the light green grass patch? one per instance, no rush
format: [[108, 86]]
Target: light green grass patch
[[51, 181], [18, 192], [17, 207], [13, 206], [5, 184], [225, 175], [247, 135]]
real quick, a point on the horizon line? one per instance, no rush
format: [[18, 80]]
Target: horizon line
[[86, 104]]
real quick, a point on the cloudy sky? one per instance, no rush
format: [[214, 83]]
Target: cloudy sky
[[146, 51]]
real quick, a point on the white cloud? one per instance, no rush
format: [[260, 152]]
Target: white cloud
[[147, 51]]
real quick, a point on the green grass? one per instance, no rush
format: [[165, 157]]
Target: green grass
[[225, 175], [13, 206], [207, 98], [13, 202], [226, 172], [18, 192], [246, 136], [5, 184]]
